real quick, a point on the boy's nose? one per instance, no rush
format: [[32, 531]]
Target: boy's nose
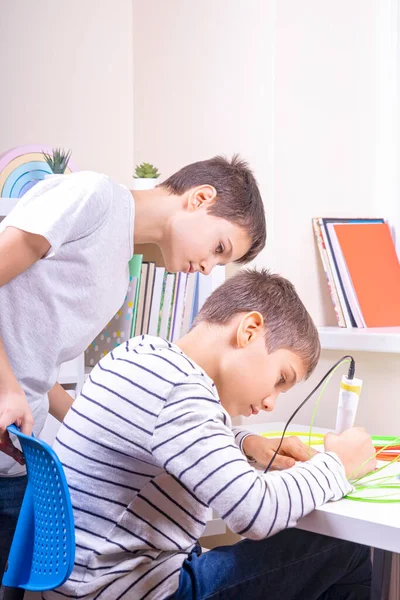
[[268, 403], [206, 267], [209, 263]]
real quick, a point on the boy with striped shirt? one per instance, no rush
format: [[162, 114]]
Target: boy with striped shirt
[[149, 446]]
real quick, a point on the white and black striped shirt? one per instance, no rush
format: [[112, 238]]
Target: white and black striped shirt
[[147, 448]]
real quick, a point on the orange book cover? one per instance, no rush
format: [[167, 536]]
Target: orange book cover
[[374, 269]]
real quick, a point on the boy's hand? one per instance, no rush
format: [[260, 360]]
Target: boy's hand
[[14, 408], [354, 447], [262, 449]]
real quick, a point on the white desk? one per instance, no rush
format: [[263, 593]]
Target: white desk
[[375, 525]]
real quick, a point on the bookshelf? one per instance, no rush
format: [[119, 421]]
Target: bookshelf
[[375, 339]]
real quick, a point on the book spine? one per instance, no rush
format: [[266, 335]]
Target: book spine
[[188, 303], [171, 306], [135, 266], [345, 278], [160, 314], [172, 316], [328, 273], [151, 283], [181, 311], [156, 301], [348, 317], [178, 309], [167, 305], [195, 302]]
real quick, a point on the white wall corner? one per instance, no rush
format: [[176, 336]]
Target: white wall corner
[[387, 114]]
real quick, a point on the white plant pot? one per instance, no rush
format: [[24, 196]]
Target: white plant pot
[[143, 183]]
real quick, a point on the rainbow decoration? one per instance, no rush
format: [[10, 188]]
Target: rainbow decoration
[[21, 168]]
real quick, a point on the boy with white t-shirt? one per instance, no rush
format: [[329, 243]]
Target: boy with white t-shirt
[[64, 253]]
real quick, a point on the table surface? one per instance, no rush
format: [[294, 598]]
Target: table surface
[[376, 525]]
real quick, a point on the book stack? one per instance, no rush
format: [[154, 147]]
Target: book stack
[[157, 303], [362, 270]]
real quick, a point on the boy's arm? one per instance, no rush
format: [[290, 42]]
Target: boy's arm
[[18, 251], [240, 435], [59, 402], [193, 444], [14, 407]]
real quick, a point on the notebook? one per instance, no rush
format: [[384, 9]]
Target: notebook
[[350, 318], [374, 268]]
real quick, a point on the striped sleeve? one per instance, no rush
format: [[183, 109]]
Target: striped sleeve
[[193, 444], [240, 435]]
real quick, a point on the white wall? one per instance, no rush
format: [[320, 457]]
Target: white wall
[[202, 83], [67, 79], [325, 152], [324, 130], [292, 86]]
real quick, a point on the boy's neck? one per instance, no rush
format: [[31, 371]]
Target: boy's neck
[[153, 210], [205, 347]]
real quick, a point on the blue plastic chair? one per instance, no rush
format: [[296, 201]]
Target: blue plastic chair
[[43, 548]]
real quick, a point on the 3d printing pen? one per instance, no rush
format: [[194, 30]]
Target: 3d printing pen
[[349, 394]]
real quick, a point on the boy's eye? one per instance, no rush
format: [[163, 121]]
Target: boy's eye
[[220, 249], [282, 380]]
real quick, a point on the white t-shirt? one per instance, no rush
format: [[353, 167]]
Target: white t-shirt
[[50, 313]]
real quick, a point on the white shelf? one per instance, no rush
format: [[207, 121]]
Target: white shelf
[[370, 339]]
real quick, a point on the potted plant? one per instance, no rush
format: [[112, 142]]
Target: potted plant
[[145, 177], [58, 160]]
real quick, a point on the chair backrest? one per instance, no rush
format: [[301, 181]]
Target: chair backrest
[[43, 549]]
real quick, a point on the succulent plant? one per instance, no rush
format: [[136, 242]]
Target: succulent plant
[[58, 160], [146, 171]]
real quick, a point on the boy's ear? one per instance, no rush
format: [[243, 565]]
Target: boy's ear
[[251, 325], [201, 196]]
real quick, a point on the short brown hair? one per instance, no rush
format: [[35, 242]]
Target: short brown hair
[[238, 196], [287, 322]]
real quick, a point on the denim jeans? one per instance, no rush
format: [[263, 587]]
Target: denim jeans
[[12, 490], [292, 565]]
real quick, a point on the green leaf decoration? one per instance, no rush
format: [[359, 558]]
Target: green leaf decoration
[[146, 171], [58, 161]]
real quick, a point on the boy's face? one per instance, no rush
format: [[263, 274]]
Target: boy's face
[[252, 379], [197, 241]]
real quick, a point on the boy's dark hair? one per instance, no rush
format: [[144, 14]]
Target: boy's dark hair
[[238, 196], [287, 322]]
